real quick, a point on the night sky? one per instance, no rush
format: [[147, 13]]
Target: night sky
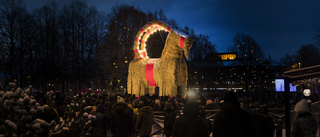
[[278, 26]]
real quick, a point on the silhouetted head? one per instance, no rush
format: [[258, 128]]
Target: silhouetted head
[[191, 108], [168, 106], [231, 97], [263, 109], [302, 106], [100, 108]]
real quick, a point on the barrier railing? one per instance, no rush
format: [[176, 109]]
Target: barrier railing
[[277, 115]]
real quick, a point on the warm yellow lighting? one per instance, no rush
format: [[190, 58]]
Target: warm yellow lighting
[[228, 56]]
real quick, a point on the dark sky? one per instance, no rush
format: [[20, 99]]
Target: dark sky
[[278, 26]]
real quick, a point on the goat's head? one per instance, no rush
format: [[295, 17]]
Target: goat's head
[[187, 44]]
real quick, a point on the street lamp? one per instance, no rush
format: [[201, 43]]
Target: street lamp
[[306, 92]]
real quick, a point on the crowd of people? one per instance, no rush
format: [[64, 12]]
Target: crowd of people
[[131, 116], [128, 116]]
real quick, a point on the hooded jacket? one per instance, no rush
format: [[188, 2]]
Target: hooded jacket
[[144, 121], [122, 121], [305, 125], [190, 124]]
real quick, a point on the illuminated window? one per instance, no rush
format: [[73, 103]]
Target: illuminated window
[[228, 56]]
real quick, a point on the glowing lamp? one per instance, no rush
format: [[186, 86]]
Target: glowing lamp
[[191, 93], [306, 92]]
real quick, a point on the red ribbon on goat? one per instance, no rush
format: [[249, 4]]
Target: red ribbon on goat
[[143, 55], [135, 52], [149, 72], [182, 41]]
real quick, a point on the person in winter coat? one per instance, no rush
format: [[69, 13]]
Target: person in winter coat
[[156, 106], [190, 124], [169, 119], [109, 103], [112, 101], [232, 121], [304, 125], [206, 121], [62, 108], [266, 124], [100, 125], [253, 115], [122, 120], [144, 121]]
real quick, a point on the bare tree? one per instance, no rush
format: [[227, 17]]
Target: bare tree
[[247, 49], [116, 51], [15, 34], [288, 60], [81, 29], [250, 57], [308, 55], [47, 52]]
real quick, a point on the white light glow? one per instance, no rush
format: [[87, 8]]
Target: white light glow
[[306, 92]]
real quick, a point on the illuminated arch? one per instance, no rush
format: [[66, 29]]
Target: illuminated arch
[[143, 35]]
